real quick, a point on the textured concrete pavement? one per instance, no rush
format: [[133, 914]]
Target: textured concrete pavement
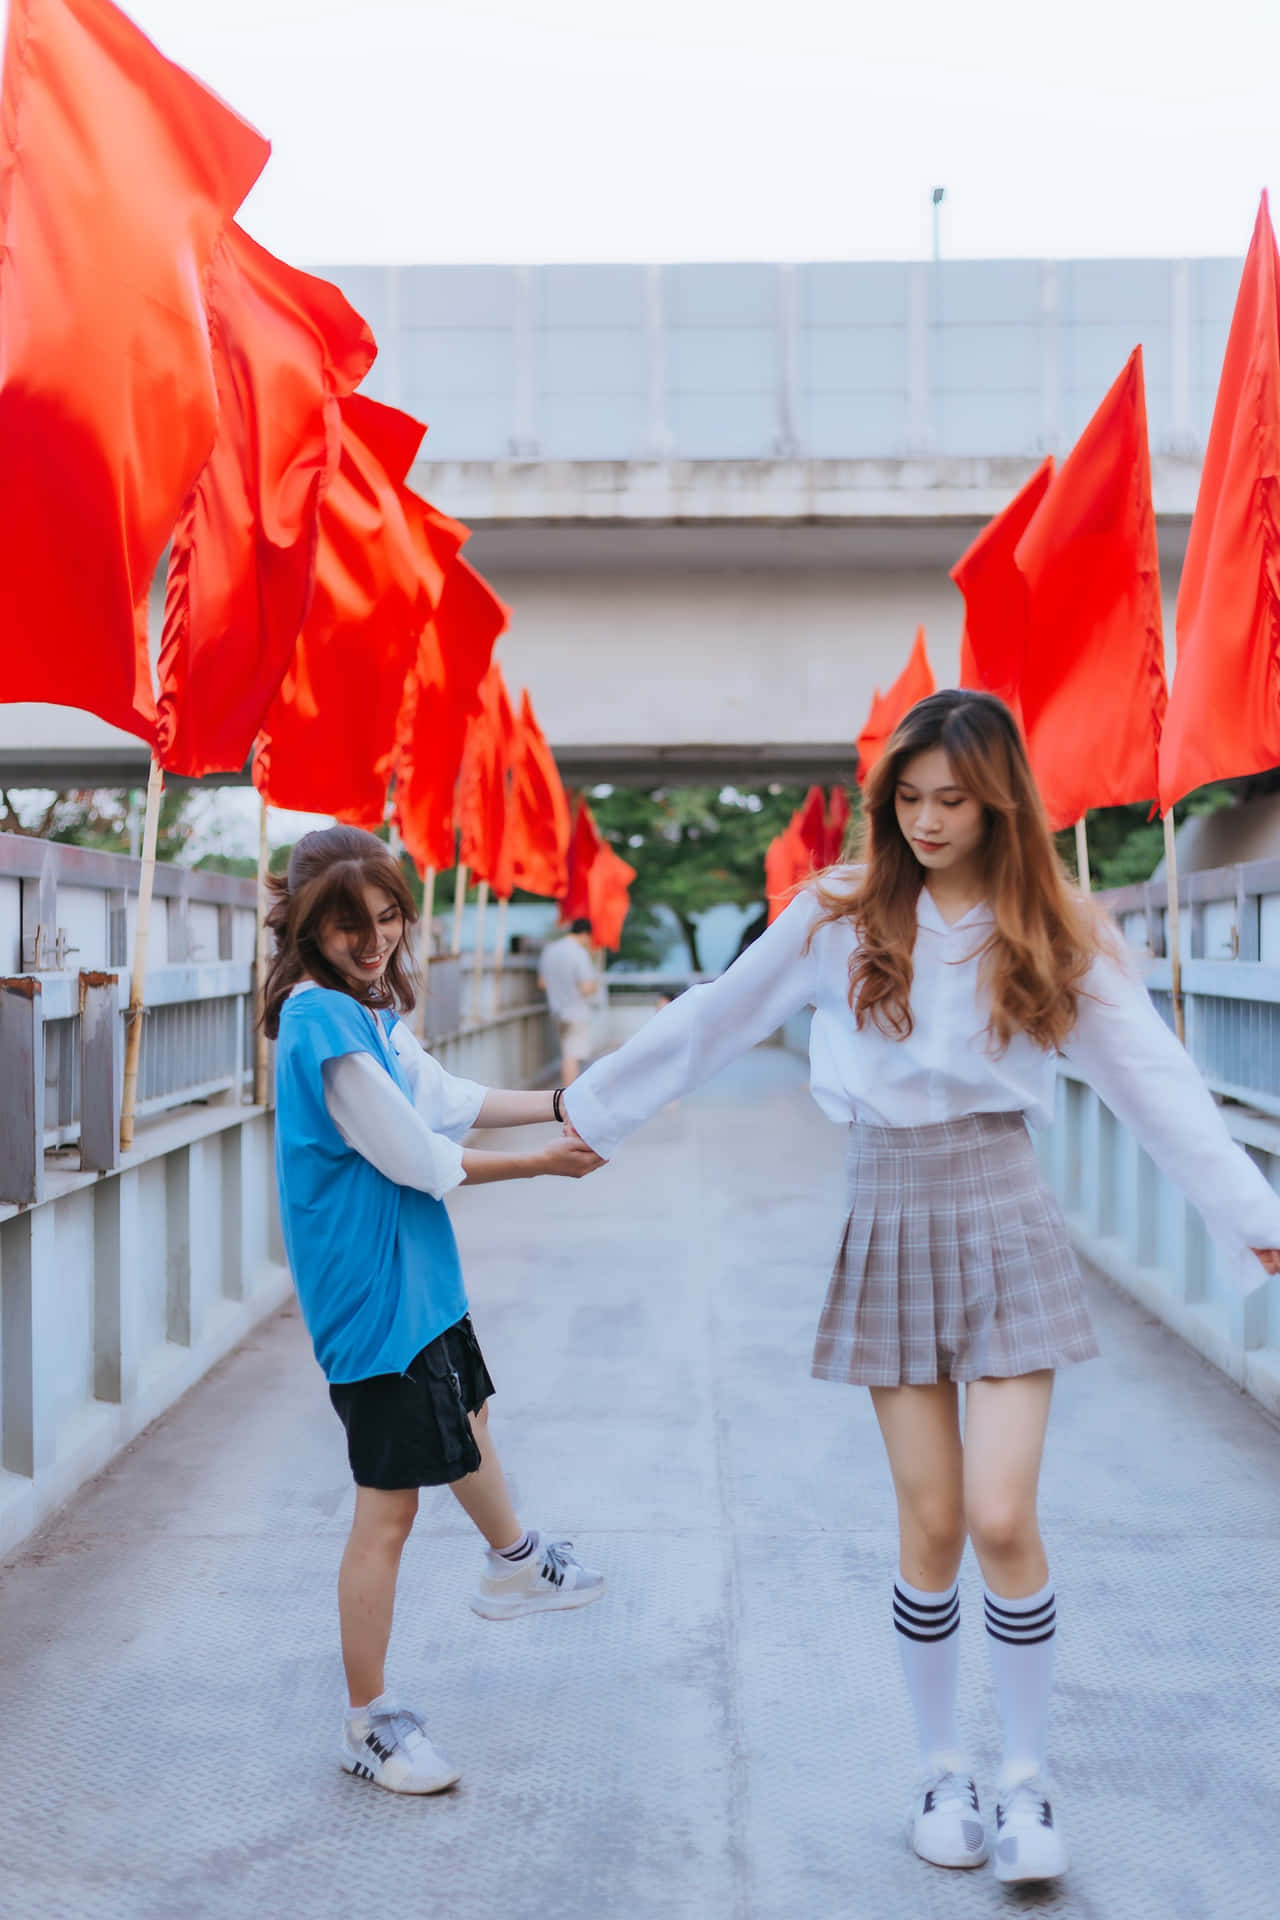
[[724, 1737]]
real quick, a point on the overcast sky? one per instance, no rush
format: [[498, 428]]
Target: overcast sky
[[531, 130]]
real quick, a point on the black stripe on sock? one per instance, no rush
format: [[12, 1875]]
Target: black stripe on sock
[[1021, 1640], [926, 1623], [946, 1633], [1023, 1617], [924, 1608]]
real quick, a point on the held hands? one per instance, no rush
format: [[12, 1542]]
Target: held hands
[[1269, 1256], [570, 1156]]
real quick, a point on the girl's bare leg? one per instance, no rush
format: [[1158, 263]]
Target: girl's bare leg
[[1004, 1429], [921, 1431], [483, 1495], [367, 1586]]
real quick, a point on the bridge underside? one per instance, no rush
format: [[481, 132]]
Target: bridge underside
[[722, 639]]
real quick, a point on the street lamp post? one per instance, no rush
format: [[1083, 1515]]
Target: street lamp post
[[939, 195]]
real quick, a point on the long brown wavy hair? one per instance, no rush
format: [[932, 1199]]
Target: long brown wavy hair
[[1045, 935], [328, 873]]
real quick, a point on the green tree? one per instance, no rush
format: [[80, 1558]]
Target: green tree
[[693, 848]]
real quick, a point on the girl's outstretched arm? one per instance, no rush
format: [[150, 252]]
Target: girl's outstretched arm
[[1128, 1055], [699, 1033], [453, 1105], [376, 1120]]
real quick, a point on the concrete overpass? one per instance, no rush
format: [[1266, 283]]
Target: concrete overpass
[[721, 498]]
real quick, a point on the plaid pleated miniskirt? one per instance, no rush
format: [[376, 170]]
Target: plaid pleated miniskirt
[[954, 1263]]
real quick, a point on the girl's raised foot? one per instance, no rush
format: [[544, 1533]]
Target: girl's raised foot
[[549, 1579]]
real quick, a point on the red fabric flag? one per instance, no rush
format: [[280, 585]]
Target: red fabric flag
[[839, 814], [915, 682], [787, 865], [242, 563], [118, 171], [1093, 691], [584, 846], [540, 811], [1224, 707], [609, 891], [440, 696], [483, 840], [329, 737], [812, 823], [993, 645]]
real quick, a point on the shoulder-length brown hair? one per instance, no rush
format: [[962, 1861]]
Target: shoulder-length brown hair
[[1045, 935], [328, 873]]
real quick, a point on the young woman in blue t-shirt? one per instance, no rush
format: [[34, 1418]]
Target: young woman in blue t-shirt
[[368, 1142]]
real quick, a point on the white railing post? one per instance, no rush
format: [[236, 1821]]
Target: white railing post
[[22, 1099]]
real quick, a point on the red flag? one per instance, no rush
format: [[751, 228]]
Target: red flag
[[1224, 708], [993, 645], [839, 814], [584, 846], [787, 865], [117, 174], [330, 735], [812, 823], [609, 890], [440, 696], [915, 682], [540, 811], [1093, 692], [483, 839], [242, 564]]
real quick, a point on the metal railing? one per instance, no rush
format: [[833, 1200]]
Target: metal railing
[[1230, 940]]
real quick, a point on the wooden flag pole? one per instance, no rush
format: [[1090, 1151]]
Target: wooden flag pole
[[262, 1055], [1175, 943], [1082, 856], [500, 941], [459, 902], [482, 901], [428, 915], [142, 931]]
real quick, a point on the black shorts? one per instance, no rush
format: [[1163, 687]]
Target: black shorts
[[411, 1429]]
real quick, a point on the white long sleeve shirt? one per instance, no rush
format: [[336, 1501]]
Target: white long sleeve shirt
[[416, 1145], [946, 1068]]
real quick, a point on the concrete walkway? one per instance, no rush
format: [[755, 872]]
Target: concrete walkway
[[724, 1737]]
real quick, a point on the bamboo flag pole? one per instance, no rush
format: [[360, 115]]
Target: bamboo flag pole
[[459, 902], [500, 941], [428, 915], [142, 931], [1175, 943], [482, 901], [262, 1056], [1082, 855]]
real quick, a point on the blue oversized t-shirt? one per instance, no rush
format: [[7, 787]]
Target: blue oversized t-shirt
[[375, 1264]]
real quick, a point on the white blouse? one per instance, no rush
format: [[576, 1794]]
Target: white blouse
[[418, 1145], [946, 1068]]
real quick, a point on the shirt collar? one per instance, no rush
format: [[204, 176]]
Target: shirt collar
[[927, 915]]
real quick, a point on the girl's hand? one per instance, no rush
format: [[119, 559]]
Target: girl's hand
[[570, 1158], [1269, 1256]]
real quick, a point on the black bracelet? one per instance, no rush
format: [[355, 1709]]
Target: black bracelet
[[557, 1103]]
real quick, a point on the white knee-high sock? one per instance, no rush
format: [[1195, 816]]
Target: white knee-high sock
[[929, 1647], [1020, 1637]]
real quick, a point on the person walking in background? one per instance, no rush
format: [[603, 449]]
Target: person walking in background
[[945, 974], [569, 980], [369, 1132]]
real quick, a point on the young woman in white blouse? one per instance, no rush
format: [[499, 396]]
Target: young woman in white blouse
[[370, 1134], [947, 973]]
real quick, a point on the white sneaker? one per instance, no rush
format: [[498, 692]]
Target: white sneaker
[[547, 1580], [945, 1823], [391, 1748], [1028, 1844]]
